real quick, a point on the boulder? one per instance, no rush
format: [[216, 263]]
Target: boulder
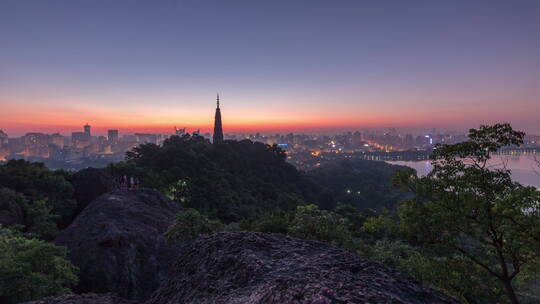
[[90, 183], [88, 298], [251, 267], [117, 242]]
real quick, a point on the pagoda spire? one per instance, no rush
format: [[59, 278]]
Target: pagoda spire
[[218, 129]]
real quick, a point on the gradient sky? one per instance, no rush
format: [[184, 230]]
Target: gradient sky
[[278, 65]]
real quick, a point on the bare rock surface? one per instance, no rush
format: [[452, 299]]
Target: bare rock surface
[[88, 298], [251, 267], [90, 183], [117, 242]]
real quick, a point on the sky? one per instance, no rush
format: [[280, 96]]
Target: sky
[[286, 65]]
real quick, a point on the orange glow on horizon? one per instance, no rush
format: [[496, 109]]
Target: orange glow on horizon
[[21, 116]]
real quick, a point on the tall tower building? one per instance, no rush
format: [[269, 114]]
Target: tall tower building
[[218, 130], [3, 138], [87, 129], [112, 136]]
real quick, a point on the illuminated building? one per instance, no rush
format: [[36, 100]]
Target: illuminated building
[[57, 140], [32, 139], [35, 144], [80, 140]]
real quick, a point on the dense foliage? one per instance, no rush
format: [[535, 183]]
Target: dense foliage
[[362, 184], [466, 228], [31, 269], [241, 179], [36, 198], [472, 215], [306, 222], [189, 224], [235, 180]]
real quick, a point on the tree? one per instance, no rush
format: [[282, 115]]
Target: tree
[[468, 207], [275, 221], [37, 183], [11, 207], [363, 184], [31, 269], [311, 223], [190, 224], [179, 191], [235, 180], [41, 220]]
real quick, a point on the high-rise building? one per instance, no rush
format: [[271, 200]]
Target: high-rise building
[[57, 140], [35, 139], [3, 138], [218, 130], [80, 140], [36, 144], [112, 136], [144, 138], [87, 129]]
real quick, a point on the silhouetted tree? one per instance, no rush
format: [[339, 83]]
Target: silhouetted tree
[[471, 209]]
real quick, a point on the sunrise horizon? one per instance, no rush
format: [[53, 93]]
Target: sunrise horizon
[[147, 67], [269, 152], [235, 123]]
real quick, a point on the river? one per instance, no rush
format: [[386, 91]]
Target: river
[[524, 168]]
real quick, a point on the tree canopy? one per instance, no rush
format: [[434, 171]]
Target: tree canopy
[[31, 269], [234, 180], [364, 184], [36, 198], [467, 208]]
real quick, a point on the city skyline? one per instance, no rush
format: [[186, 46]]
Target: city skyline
[[85, 148], [325, 67], [209, 128], [208, 131]]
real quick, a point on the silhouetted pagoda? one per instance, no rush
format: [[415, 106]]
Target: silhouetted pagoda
[[218, 130]]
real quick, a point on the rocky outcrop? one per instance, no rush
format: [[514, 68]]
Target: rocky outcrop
[[250, 267], [90, 183], [89, 298], [117, 242]]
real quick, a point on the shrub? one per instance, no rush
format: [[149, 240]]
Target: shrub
[[314, 224], [31, 269], [274, 222], [190, 224]]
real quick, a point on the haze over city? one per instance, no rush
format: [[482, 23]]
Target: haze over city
[[296, 66]]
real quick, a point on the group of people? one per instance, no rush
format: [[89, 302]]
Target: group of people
[[128, 182]]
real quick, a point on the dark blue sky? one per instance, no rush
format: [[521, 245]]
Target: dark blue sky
[[278, 64]]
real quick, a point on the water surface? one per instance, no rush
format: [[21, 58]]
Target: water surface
[[524, 167]]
